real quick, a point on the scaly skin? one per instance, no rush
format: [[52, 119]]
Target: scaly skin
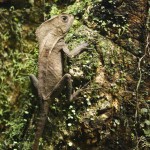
[[50, 75]]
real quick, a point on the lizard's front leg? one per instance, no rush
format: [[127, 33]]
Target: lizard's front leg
[[79, 49]]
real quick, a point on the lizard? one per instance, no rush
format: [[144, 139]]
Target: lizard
[[50, 35]]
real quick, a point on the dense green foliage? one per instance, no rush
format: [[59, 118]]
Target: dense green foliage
[[18, 60]]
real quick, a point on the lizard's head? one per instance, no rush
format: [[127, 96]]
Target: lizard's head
[[65, 22], [58, 25]]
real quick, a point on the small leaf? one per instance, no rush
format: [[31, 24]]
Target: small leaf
[[144, 110], [147, 122]]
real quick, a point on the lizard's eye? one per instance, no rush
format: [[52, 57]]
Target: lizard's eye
[[64, 18]]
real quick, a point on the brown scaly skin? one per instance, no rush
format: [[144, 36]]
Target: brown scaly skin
[[50, 72]]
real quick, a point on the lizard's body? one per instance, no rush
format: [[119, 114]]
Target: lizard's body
[[50, 72]]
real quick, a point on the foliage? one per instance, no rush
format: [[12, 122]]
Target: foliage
[[18, 60], [106, 19]]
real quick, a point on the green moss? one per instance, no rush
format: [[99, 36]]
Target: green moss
[[18, 60]]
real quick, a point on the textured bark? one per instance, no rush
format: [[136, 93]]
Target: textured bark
[[137, 12], [133, 14]]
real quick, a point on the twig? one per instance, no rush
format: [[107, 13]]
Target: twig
[[138, 85], [140, 72]]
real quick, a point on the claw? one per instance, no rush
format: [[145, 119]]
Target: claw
[[76, 93]]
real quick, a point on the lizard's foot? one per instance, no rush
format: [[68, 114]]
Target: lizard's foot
[[75, 95]]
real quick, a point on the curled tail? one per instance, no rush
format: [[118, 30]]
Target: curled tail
[[40, 125]]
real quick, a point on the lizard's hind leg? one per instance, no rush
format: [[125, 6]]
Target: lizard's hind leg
[[69, 88], [65, 80], [34, 81], [75, 95]]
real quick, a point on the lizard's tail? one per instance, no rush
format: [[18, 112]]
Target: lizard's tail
[[41, 125]]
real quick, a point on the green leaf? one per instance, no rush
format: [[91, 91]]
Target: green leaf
[[144, 110], [147, 122]]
